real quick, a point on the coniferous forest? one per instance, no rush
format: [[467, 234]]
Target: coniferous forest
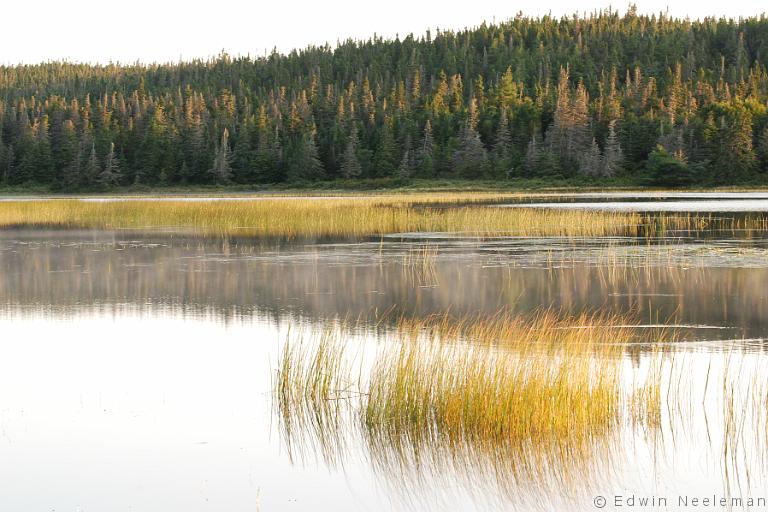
[[654, 99]]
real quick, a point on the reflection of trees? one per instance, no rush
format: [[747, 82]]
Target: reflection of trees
[[232, 278]]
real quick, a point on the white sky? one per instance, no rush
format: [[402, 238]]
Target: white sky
[[161, 30]]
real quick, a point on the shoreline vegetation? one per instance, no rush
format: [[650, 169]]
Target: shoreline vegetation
[[508, 401], [513, 398], [470, 213], [376, 187]]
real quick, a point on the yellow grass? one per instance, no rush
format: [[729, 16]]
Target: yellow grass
[[290, 217], [315, 217], [505, 398]]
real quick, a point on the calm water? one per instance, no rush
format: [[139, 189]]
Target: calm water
[[136, 369]]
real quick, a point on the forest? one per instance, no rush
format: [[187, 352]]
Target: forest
[[649, 98]]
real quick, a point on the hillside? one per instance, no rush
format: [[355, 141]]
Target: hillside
[[659, 100]]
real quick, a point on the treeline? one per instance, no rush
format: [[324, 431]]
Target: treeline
[[672, 101]]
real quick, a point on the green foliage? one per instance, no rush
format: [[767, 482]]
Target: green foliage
[[667, 171], [535, 97]]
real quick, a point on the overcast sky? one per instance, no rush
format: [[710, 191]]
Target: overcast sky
[[159, 30]]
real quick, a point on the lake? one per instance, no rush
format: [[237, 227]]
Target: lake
[[138, 368]]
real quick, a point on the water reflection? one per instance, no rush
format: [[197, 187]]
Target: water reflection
[[694, 424], [719, 284], [157, 353], [724, 205]]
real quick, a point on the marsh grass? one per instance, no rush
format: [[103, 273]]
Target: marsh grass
[[507, 400], [293, 218], [296, 217], [311, 383]]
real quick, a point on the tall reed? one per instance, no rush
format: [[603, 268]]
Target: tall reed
[[512, 399], [356, 216]]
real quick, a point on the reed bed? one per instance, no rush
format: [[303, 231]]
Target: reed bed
[[480, 396], [506, 399], [295, 217]]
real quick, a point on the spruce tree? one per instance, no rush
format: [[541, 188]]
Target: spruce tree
[[533, 154], [503, 146], [303, 161], [350, 165], [425, 157], [111, 175], [471, 159], [507, 90], [737, 158], [42, 159], [762, 147], [579, 132], [408, 162], [3, 163], [386, 154], [613, 156], [91, 171], [558, 132], [222, 168], [590, 161], [9, 169]]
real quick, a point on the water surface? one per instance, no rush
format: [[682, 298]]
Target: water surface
[[137, 368]]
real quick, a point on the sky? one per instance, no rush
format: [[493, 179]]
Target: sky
[[163, 31]]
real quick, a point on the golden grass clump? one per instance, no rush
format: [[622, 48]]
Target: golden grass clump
[[485, 395], [505, 398], [501, 378]]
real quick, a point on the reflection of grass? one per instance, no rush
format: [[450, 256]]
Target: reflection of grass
[[419, 266], [505, 399], [311, 381], [364, 216]]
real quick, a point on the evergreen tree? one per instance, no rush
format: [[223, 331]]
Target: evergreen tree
[[503, 146], [304, 162], [425, 157], [558, 132], [3, 177], [762, 147], [507, 90], [613, 156], [222, 168], [243, 155], [736, 159], [111, 175], [386, 155], [41, 159], [267, 159], [533, 154], [91, 171], [9, 169], [471, 159], [579, 132], [350, 166], [407, 163], [590, 161]]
